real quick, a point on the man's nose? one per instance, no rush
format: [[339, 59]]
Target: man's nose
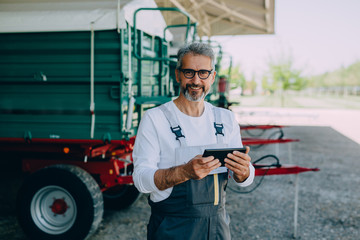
[[196, 79]]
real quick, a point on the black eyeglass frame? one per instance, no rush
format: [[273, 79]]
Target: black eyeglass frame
[[194, 72]]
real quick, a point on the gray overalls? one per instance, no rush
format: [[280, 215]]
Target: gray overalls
[[195, 209]]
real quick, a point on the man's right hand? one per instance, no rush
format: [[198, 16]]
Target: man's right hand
[[197, 168]]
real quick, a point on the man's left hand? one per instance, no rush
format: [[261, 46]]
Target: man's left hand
[[239, 163]]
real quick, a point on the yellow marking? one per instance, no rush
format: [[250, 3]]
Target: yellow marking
[[216, 189]]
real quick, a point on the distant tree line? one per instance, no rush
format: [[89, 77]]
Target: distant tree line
[[282, 76], [343, 81], [343, 77]]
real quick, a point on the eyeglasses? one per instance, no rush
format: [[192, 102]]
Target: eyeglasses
[[190, 73]]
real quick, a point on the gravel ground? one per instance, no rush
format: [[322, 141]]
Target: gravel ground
[[328, 207]]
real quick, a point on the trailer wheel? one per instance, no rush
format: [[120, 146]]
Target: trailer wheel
[[120, 197], [60, 202]]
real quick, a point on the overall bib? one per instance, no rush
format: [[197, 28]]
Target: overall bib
[[195, 209]]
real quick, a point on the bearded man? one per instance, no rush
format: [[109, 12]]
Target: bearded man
[[187, 190]]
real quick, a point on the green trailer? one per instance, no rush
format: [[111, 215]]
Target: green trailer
[[75, 80]]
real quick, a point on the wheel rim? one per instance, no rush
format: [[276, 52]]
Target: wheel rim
[[53, 210]]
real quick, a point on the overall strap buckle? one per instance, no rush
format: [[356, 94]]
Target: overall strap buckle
[[177, 131], [219, 128]]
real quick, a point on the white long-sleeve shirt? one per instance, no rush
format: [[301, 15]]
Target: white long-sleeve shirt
[[155, 144]]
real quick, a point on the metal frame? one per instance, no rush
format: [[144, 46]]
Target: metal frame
[[135, 32], [286, 169]]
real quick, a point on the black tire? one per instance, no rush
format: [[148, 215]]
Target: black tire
[[60, 202], [120, 197]]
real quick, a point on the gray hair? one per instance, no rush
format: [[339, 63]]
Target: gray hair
[[196, 48]]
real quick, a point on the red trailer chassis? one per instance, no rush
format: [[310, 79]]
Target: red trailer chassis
[[110, 162]]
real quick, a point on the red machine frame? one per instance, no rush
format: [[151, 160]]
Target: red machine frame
[[107, 160]]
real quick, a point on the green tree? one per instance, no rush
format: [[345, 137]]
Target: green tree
[[251, 85], [282, 76]]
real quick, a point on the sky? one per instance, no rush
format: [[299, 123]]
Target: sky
[[318, 35]]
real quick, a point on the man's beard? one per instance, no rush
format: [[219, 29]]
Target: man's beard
[[193, 97]]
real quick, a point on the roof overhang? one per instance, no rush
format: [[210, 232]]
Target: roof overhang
[[224, 17]]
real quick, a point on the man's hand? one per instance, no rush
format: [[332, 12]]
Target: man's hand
[[197, 168], [239, 163]]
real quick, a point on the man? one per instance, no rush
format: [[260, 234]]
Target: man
[[187, 191]]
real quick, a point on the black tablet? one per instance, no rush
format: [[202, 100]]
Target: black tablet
[[221, 153]]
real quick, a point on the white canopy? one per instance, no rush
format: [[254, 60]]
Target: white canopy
[[225, 17]]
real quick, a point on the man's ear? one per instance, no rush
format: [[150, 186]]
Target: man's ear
[[214, 75], [177, 75]]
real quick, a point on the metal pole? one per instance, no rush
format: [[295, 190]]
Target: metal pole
[[129, 61], [296, 204], [92, 102], [290, 153], [131, 99]]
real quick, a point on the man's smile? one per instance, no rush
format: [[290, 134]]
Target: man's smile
[[194, 87]]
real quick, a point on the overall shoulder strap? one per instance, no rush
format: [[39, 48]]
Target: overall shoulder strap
[[218, 125], [174, 125]]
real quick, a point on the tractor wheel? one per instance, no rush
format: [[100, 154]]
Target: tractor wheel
[[60, 202]]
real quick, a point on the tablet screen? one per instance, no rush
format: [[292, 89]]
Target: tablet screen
[[221, 153]]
